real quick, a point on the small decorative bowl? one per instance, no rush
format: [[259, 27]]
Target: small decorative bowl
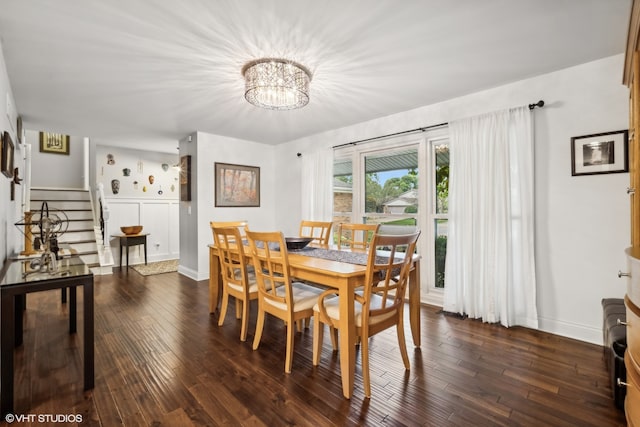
[[297, 243], [131, 229]]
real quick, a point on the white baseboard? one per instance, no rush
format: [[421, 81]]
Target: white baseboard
[[571, 330]]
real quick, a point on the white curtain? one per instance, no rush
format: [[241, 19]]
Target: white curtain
[[490, 267], [317, 185]]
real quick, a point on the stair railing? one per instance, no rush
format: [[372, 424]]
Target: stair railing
[[103, 210]]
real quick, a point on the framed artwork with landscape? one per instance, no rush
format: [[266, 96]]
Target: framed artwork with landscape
[[600, 153], [236, 185]]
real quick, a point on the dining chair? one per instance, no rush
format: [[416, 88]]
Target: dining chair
[[237, 279], [356, 236], [319, 231], [240, 225], [379, 305], [278, 295], [397, 229]]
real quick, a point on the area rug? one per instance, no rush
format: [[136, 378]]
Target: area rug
[[157, 267]]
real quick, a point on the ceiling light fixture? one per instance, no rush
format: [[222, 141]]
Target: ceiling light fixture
[[276, 84]]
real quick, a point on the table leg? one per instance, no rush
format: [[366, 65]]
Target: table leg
[[89, 373], [127, 256], [347, 342], [414, 303], [120, 254], [7, 308], [73, 326], [63, 295], [19, 305], [215, 281], [145, 250]]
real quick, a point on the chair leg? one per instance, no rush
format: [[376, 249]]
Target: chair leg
[[365, 367], [245, 320], [318, 332], [259, 327], [223, 307], [288, 361], [403, 345], [333, 332], [238, 308]]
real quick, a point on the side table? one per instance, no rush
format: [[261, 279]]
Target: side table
[[128, 240]]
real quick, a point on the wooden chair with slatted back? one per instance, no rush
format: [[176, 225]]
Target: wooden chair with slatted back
[[356, 236], [278, 294], [319, 231], [240, 225], [237, 280], [379, 305]]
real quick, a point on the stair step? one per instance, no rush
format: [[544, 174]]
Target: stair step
[[37, 211], [87, 253]]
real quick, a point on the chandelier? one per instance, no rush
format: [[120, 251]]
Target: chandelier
[[276, 84]]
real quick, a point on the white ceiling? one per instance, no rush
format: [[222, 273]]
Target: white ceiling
[[133, 71]]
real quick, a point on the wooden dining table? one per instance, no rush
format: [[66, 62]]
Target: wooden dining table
[[339, 275]]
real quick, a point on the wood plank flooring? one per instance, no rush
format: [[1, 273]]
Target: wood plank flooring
[[161, 359]]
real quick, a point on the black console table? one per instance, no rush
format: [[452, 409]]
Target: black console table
[[16, 280], [128, 240]]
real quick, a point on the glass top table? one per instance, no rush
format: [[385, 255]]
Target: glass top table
[[18, 271], [20, 277]]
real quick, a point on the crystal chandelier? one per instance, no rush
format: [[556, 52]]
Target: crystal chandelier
[[276, 84]]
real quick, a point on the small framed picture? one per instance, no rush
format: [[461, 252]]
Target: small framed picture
[[600, 153], [55, 143], [237, 185], [6, 163], [185, 178]]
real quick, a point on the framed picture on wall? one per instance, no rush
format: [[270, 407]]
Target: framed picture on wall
[[600, 153], [55, 143], [185, 178], [6, 163], [237, 185]]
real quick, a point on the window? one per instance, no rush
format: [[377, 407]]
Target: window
[[342, 190], [402, 181], [440, 154]]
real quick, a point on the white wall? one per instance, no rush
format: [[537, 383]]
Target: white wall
[[582, 224], [158, 217], [57, 170], [206, 149], [141, 166], [10, 211], [138, 201]]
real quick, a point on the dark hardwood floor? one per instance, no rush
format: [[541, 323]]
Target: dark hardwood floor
[[161, 359]]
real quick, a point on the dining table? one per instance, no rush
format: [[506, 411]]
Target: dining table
[[336, 271]]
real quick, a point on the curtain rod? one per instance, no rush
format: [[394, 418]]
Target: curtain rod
[[539, 104]]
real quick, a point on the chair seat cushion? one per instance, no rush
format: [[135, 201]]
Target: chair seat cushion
[[251, 277], [332, 305], [304, 296]]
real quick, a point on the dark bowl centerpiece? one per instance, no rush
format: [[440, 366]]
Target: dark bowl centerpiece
[[297, 243]]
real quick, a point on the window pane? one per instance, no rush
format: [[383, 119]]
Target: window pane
[[442, 178], [342, 190], [391, 187], [440, 251]]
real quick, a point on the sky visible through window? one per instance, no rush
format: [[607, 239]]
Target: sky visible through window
[[384, 176]]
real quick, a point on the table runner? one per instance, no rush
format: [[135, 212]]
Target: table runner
[[359, 258]]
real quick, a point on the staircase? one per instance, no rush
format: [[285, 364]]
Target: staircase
[[83, 234]]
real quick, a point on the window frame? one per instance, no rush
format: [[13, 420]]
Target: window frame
[[425, 143]]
